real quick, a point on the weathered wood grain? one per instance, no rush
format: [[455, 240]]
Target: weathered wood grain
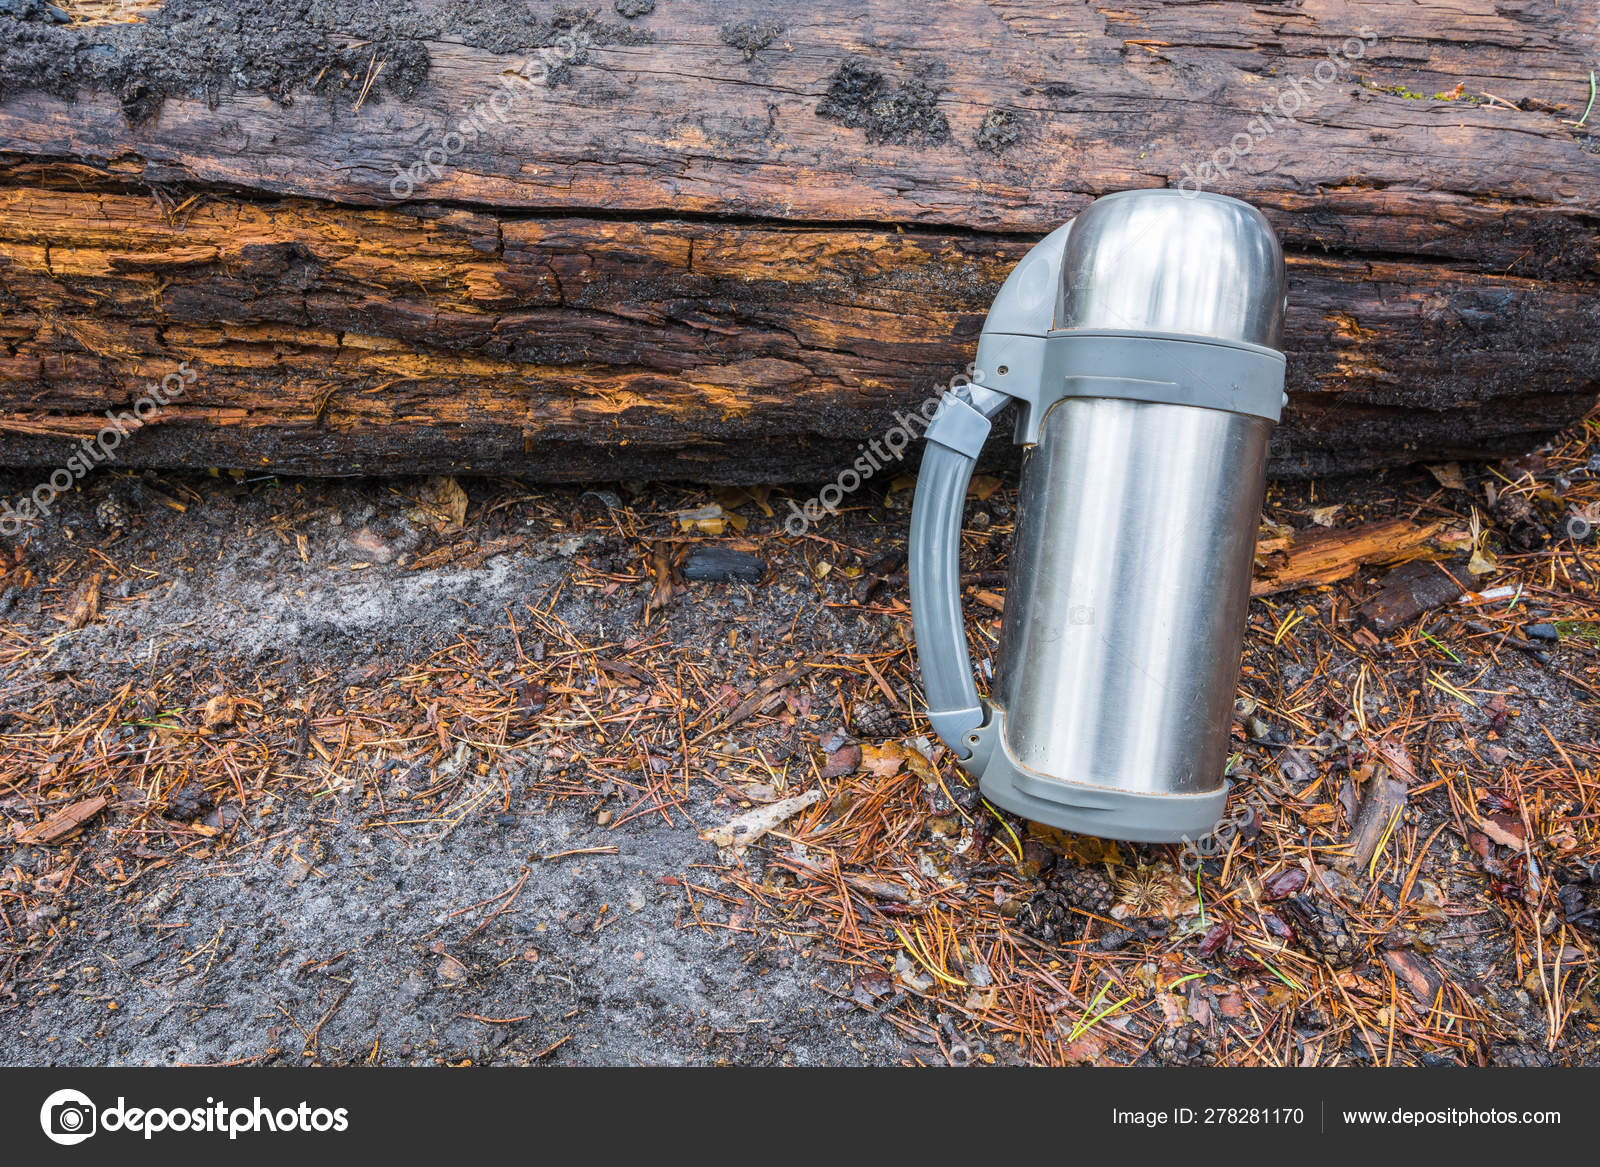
[[702, 256]]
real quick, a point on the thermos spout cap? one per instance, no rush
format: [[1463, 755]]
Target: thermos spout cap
[[1170, 261]]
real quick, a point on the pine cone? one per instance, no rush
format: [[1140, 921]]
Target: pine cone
[[188, 802], [1523, 1057], [1178, 1044], [1058, 911], [1325, 934], [1048, 918], [1520, 521], [113, 518], [1086, 888], [873, 720]]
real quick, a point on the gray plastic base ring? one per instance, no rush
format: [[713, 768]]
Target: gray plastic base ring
[[1102, 811], [1135, 818]]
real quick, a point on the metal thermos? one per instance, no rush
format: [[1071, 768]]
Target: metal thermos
[[1140, 345]]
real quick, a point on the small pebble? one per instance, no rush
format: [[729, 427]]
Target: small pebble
[[1541, 632]]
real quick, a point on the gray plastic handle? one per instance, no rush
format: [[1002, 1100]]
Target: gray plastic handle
[[933, 563], [1008, 367]]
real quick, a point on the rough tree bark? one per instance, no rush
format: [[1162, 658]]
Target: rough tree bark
[[725, 242]]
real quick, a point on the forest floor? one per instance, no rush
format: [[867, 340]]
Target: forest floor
[[427, 771]]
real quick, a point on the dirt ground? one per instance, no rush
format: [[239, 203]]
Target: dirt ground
[[416, 772]]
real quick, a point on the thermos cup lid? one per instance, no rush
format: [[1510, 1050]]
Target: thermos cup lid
[[1169, 261]]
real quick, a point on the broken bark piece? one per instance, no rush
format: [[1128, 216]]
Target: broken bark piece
[[842, 761], [1412, 589], [64, 822], [1415, 973], [721, 565], [1324, 555], [661, 575], [84, 606], [629, 674], [219, 712], [765, 692], [738, 833], [1380, 810], [188, 802]]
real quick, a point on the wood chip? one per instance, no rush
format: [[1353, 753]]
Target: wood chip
[[739, 833], [631, 674], [1416, 974], [1385, 799], [1411, 590], [441, 504], [65, 821], [765, 692], [84, 606], [660, 596], [1448, 475]]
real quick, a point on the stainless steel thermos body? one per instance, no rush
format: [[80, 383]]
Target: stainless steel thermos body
[[1139, 344], [1119, 655]]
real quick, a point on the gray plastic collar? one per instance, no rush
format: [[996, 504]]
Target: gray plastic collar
[[1170, 368], [1021, 355]]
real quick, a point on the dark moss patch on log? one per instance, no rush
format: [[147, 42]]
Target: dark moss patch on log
[[749, 36], [339, 49], [203, 48], [1001, 129], [859, 96], [490, 27]]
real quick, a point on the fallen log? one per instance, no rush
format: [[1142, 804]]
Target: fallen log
[[710, 242]]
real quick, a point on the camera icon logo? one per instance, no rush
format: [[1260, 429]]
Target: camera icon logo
[[68, 1117]]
